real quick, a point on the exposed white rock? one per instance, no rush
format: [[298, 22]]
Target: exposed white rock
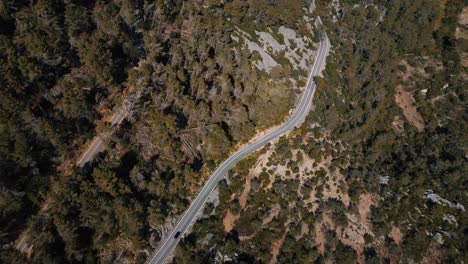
[[435, 198], [335, 4], [298, 53], [269, 42], [214, 197], [312, 7], [438, 238], [235, 38], [297, 50], [207, 239], [220, 258], [451, 219], [267, 63], [384, 180]]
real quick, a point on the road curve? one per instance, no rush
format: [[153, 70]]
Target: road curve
[[302, 109]]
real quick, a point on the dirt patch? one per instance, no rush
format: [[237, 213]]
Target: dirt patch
[[396, 235], [409, 71], [364, 207], [335, 180], [464, 58], [320, 237], [433, 255], [245, 192], [320, 228], [304, 231], [440, 15], [275, 248], [353, 234], [115, 250], [461, 32], [406, 102], [274, 212], [229, 220], [256, 170], [398, 125], [244, 238], [464, 17]]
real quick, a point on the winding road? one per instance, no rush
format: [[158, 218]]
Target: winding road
[[168, 245]]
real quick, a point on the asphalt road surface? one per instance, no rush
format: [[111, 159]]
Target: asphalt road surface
[[168, 245]]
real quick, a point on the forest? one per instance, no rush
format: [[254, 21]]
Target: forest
[[67, 65], [374, 175], [364, 179]]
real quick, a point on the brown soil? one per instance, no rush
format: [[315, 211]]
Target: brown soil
[[464, 58], [320, 229], [398, 125], [410, 71], [304, 231], [464, 17], [243, 238], [245, 192], [396, 235], [364, 207], [261, 163], [274, 212], [406, 102], [462, 32], [334, 191], [275, 248], [116, 248], [229, 220], [320, 237], [440, 15], [353, 234], [433, 255]]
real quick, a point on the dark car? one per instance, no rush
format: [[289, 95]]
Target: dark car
[[177, 235]]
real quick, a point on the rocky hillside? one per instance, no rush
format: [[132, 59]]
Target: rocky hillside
[[376, 174]]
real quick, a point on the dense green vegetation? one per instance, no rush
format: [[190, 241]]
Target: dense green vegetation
[[66, 65], [415, 161], [355, 109]]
